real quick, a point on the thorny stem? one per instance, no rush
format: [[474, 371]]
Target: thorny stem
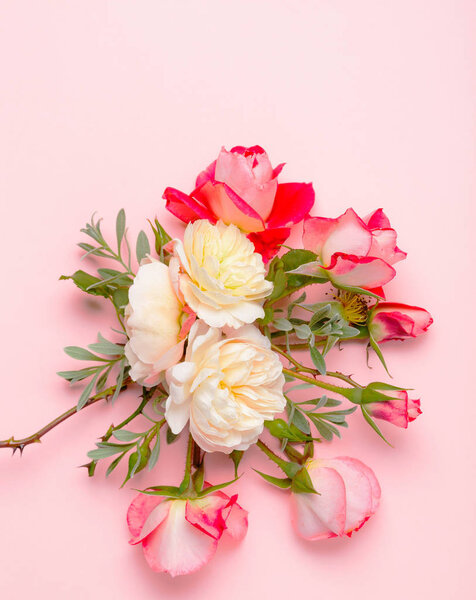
[[326, 386], [36, 437], [302, 369], [269, 453]]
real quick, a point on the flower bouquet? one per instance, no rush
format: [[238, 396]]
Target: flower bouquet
[[225, 333]]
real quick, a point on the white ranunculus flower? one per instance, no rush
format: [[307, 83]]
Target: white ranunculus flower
[[153, 324], [226, 387], [223, 278]]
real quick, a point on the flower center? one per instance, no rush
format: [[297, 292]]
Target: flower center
[[354, 307]]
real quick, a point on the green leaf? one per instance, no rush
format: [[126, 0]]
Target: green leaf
[[215, 488], [378, 352], [374, 426], [119, 380], [279, 282], [300, 421], [86, 393], [236, 457], [142, 246], [78, 375], [123, 435], [303, 332], [171, 436], [295, 258], [282, 325], [161, 236], [162, 490], [302, 483], [84, 281], [106, 347], [120, 298], [154, 455], [280, 429], [105, 452], [282, 483], [318, 360], [82, 354], [120, 228], [114, 464]]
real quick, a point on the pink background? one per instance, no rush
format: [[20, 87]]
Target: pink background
[[102, 105]]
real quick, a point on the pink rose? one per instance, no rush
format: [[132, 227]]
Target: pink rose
[[399, 411], [180, 535], [353, 252], [393, 321], [348, 495], [241, 188]]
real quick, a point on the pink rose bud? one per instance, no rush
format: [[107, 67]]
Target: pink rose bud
[[180, 535], [393, 321], [399, 411], [241, 188], [355, 252], [348, 495]]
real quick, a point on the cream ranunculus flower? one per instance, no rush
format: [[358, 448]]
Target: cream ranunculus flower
[[226, 387], [222, 277], [153, 324]]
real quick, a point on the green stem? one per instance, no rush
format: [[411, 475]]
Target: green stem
[[270, 454], [187, 478], [326, 386]]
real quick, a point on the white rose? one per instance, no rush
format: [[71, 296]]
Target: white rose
[[223, 278], [153, 325], [226, 387]]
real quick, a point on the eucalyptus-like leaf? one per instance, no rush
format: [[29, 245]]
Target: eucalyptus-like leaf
[[142, 246], [318, 360], [120, 228]]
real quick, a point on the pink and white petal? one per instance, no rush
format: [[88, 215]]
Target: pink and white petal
[[413, 409], [206, 514], [323, 514], [316, 231], [349, 236], [420, 317], [269, 242], [139, 510], [374, 484], [236, 519], [154, 520], [384, 246], [186, 208], [365, 272], [305, 521], [176, 546], [359, 501], [377, 220], [292, 203], [229, 207]]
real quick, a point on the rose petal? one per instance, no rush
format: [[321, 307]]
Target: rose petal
[[292, 203], [186, 208]]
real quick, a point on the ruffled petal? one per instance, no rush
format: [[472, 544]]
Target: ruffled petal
[[186, 208], [176, 546], [269, 242], [292, 203]]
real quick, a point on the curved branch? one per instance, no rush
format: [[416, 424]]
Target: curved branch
[[36, 437]]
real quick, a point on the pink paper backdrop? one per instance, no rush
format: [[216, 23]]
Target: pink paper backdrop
[[103, 104]]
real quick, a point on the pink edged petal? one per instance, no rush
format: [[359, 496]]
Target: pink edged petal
[[139, 510], [248, 151], [206, 514], [156, 517], [268, 242], [350, 236], [384, 245], [420, 318], [377, 220], [292, 203], [323, 515], [374, 484], [413, 409], [176, 546], [186, 208], [277, 170], [207, 175], [236, 519], [316, 231], [365, 272], [305, 521], [228, 206], [359, 499]]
